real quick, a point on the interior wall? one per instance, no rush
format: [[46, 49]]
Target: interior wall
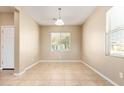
[[17, 43], [93, 42], [45, 43], [28, 40], [6, 19]]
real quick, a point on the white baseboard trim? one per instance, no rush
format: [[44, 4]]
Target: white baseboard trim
[[32, 65], [60, 60], [22, 72], [103, 76]]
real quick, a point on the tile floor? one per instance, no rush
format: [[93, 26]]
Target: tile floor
[[54, 74]]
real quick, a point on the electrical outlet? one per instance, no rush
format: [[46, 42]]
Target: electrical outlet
[[121, 75]]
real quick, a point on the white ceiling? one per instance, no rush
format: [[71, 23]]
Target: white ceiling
[[71, 15], [6, 9]]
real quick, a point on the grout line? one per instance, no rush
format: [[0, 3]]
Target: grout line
[[60, 61], [103, 76], [27, 68], [22, 72]]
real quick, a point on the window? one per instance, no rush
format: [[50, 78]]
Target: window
[[60, 41], [115, 32]]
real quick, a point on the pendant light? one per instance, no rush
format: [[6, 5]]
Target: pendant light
[[59, 21]]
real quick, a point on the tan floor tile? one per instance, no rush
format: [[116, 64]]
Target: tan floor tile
[[28, 83], [9, 83], [70, 76], [54, 74], [72, 83], [88, 83], [57, 76], [57, 83], [43, 82]]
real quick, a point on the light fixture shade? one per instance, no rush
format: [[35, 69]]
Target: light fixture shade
[[59, 22]]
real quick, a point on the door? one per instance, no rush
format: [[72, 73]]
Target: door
[[7, 47]]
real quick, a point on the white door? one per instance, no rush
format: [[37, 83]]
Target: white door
[[7, 47]]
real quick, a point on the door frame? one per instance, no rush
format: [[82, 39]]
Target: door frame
[[1, 44]]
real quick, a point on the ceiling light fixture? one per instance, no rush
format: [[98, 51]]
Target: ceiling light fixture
[[59, 21]]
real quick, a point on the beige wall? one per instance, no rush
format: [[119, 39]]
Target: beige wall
[[28, 40], [6, 19], [73, 54], [17, 43], [93, 42]]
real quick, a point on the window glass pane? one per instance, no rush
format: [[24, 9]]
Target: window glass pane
[[115, 32], [117, 17], [55, 40], [117, 42], [65, 41], [60, 41]]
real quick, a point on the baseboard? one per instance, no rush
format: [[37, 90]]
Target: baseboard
[[103, 76], [106, 78], [60, 60], [32, 65], [22, 72], [50, 61]]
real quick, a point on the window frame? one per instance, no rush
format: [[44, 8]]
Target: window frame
[[108, 34], [60, 38]]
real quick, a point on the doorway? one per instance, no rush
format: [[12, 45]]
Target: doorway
[[7, 47]]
